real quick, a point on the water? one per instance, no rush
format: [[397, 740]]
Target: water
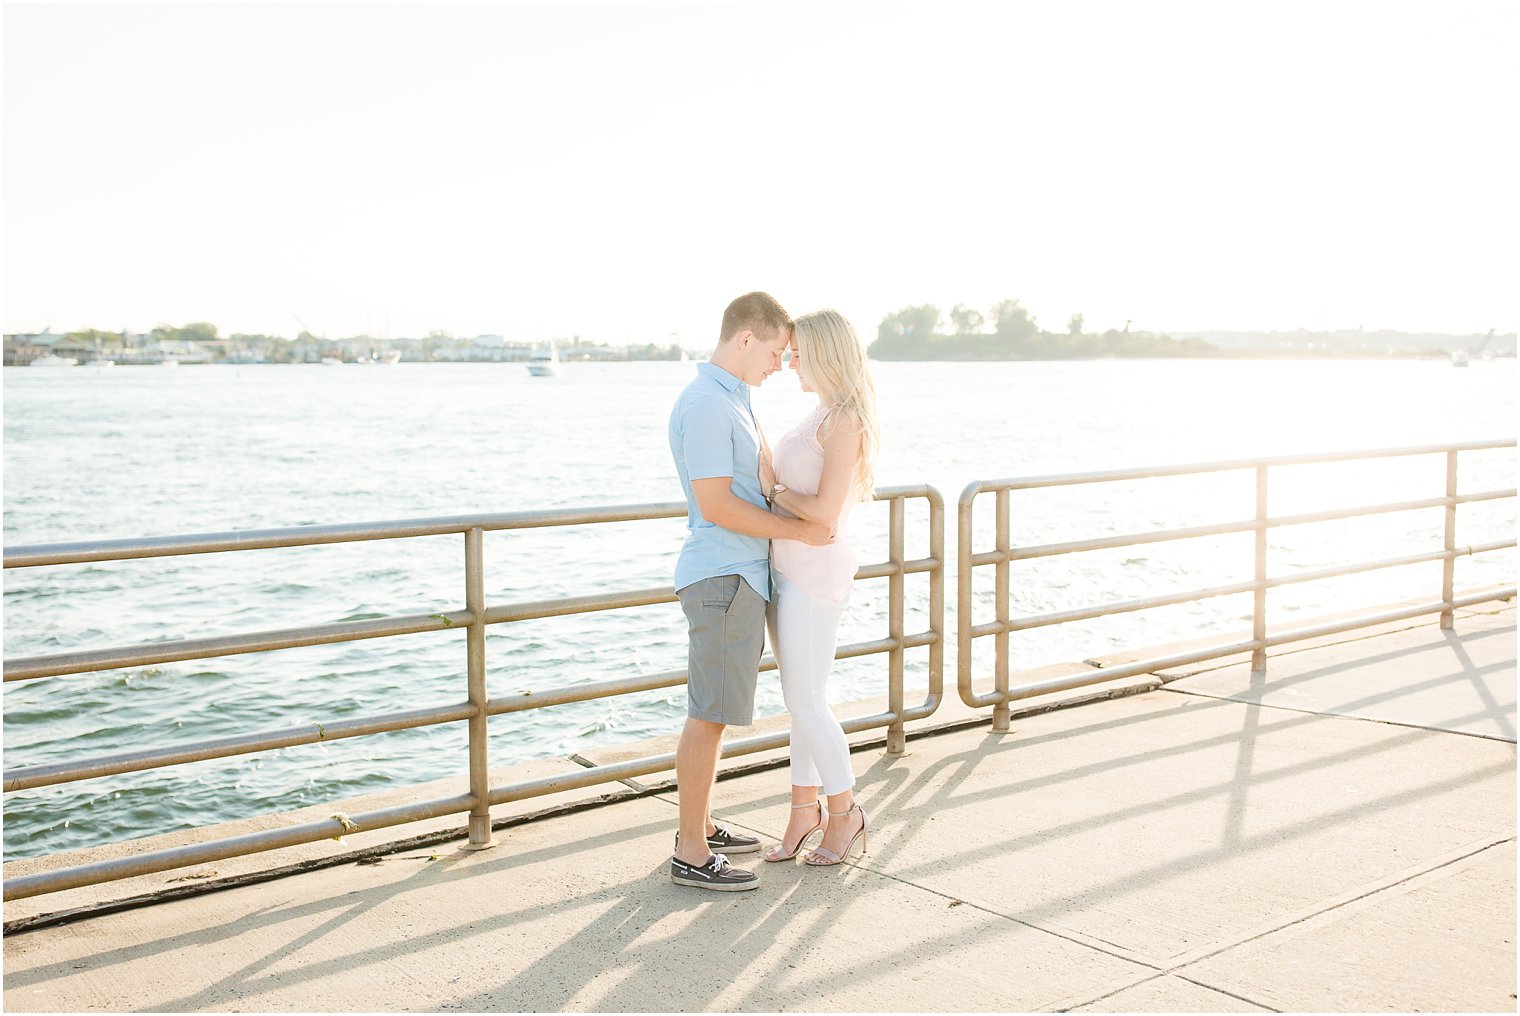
[[145, 451]]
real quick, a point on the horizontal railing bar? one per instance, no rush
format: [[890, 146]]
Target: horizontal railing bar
[[525, 700], [1390, 562], [87, 661], [886, 645], [202, 853], [1194, 532], [1100, 675], [531, 609], [1434, 607], [674, 678], [887, 569], [1082, 679], [1110, 542], [83, 662], [1126, 606], [1486, 495], [1385, 509], [79, 552], [1147, 472], [633, 768], [927, 491], [310, 536], [1118, 607], [29, 777], [1484, 548]]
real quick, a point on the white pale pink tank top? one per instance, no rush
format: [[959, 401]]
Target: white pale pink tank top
[[819, 571]]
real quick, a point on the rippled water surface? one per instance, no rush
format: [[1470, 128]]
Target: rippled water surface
[[147, 451]]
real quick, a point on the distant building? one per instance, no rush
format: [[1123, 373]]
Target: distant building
[[22, 349]]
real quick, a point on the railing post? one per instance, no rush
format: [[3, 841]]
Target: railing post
[[1449, 565], [1259, 604], [475, 642], [897, 740], [1001, 710], [937, 596], [963, 580]]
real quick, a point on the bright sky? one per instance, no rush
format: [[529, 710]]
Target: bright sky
[[621, 172]]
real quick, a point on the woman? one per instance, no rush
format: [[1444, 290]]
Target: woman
[[819, 469]]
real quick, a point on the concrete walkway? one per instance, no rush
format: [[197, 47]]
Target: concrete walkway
[[1339, 836]]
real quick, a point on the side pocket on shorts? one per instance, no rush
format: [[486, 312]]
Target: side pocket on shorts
[[718, 595]]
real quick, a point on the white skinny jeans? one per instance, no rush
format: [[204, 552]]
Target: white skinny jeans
[[803, 629]]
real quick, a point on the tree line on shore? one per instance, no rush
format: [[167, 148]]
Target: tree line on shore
[[1010, 332]]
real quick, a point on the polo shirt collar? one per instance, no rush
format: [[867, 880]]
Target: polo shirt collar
[[719, 375]]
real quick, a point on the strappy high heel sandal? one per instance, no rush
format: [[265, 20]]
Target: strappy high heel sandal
[[779, 853], [822, 857]]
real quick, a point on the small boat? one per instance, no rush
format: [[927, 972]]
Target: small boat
[[544, 363], [49, 360], [331, 361], [101, 364], [1459, 358], [168, 361], [389, 358]]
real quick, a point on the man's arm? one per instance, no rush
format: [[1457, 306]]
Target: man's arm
[[719, 505]]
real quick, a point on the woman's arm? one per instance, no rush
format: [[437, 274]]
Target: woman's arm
[[841, 452], [719, 505]]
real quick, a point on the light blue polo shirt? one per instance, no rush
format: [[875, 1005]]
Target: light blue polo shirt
[[713, 433]]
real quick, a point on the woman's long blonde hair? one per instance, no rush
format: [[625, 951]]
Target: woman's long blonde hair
[[836, 366]]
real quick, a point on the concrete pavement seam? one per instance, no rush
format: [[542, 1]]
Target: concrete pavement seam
[[1349, 898], [1223, 991], [1067, 1005], [1175, 969], [1076, 938], [1337, 716]]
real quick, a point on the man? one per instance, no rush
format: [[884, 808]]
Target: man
[[723, 573]]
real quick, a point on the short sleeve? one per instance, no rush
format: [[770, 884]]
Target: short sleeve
[[707, 440]]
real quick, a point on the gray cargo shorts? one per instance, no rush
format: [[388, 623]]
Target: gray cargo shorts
[[726, 631]]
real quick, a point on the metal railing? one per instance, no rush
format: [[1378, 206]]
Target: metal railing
[[1005, 553], [477, 615], [476, 709]]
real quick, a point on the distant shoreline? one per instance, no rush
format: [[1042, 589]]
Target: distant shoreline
[[1230, 354], [912, 335], [1441, 356]]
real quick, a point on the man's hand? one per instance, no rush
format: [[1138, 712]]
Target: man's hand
[[814, 534]]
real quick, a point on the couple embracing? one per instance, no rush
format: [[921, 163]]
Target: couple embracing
[[764, 552]]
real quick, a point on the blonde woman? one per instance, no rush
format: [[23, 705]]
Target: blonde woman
[[818, 470]]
